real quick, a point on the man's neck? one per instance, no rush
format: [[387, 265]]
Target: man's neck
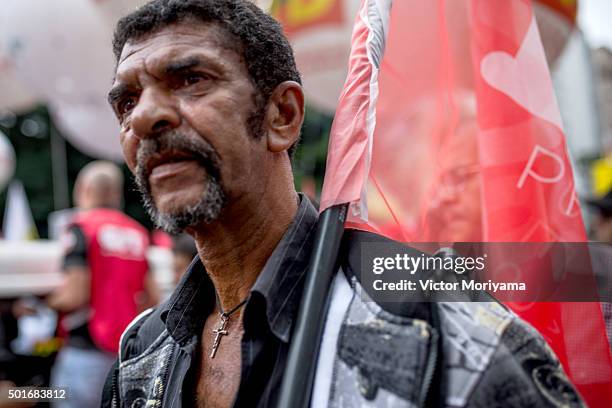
[[235, 249]]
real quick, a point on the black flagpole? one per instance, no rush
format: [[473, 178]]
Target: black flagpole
[[304, 349]]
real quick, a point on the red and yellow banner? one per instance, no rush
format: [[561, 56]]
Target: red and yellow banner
[[297, 15]]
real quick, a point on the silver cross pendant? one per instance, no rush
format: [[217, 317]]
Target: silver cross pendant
[[219, 331]]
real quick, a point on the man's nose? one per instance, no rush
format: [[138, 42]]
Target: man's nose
[[154, 113]]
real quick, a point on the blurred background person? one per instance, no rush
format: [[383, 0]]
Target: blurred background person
[[454, 209], [106, 283]]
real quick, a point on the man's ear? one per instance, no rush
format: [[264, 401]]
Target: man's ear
[[284, 116]]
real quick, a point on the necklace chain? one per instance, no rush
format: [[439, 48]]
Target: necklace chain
[[228, 314], [225, 314]]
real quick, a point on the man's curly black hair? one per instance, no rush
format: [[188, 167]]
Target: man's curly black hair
[[266, 51]]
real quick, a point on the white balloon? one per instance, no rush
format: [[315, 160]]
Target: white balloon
[[91, 127], [62, 49], [7, 161], [15, 96]]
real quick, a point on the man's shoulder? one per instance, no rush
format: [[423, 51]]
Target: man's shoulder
[[141, 333], [489, 354], [144, 348]]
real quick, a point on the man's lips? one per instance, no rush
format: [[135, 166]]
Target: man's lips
[[168, 164], [170, 169]]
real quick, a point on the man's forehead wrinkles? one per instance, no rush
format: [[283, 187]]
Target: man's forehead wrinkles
[[207, 51], [127, 74]]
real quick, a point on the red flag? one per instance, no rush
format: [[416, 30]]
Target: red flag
[[448, 131]]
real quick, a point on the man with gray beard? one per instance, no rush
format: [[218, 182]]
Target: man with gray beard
[[208, 208], [210, 105]]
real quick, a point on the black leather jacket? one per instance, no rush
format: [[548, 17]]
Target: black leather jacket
[[453, 354]]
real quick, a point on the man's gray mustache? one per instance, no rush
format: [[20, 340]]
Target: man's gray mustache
[[176, 142]]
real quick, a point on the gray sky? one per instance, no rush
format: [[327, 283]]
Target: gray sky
[[595, 19]]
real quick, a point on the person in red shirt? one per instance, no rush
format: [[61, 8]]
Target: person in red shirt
[[106, 283]]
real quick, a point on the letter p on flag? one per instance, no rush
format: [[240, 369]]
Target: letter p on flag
[[447, 130], [531, 172]]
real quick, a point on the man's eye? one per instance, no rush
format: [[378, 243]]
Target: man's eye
[[126, 105], [193, 78]]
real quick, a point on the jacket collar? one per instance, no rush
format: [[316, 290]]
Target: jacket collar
[[275, 297], [282, 279]]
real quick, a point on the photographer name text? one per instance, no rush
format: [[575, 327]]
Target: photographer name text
[[457, 265]]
